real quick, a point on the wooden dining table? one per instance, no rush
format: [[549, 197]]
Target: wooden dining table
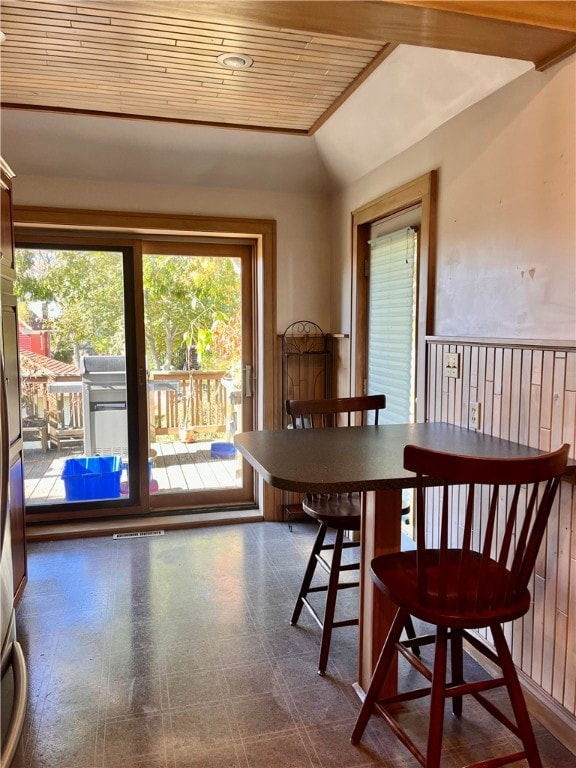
[[368, 459]]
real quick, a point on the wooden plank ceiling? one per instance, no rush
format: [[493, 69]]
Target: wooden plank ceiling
[[158, 60]]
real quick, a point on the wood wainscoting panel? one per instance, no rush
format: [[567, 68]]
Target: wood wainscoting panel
[[527, 392]]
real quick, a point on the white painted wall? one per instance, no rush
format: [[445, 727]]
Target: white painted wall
[[506, 263], [302, 226], [403, 101]]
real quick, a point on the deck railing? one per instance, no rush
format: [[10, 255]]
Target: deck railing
[[195, 400]]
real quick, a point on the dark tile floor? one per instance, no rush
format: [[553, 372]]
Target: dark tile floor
[[176, 652]]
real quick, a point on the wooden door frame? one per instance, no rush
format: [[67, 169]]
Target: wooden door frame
[[260, 233], [419, 192]]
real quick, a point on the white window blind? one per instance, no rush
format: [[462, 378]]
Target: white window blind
[[392, 323]]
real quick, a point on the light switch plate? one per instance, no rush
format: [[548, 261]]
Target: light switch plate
[[452, 365]]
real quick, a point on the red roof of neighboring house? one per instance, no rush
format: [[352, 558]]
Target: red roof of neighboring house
[[34, 339], [33, 364]]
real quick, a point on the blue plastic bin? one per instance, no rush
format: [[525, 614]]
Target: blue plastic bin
[[222, 451], [92, 477]]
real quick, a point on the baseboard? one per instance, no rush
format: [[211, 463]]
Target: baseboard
[[75, 530], [546, 710], [549, 713]]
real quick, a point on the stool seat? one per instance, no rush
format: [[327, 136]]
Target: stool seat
[[459, 604], [336, 510]]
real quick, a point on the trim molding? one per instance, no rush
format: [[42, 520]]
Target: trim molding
[[508, 343], [422, 192]]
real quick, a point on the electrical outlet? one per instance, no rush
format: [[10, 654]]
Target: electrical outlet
[[474, 415], [452, 365]]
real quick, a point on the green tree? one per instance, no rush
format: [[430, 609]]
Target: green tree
[[88, 287], [185, 299], [188, 301], [165, 308], [33, 268]]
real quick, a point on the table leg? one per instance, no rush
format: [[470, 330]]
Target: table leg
[[381, 527]]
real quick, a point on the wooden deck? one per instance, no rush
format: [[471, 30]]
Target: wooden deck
[[176, 467]]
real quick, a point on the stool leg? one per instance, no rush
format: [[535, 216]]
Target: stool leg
[[379, 675], [411, 634], [331, 596], [436, 726], [516, 697], [309, 573], [457, 660]]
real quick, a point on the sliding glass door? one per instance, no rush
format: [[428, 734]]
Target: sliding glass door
[[136, 371], [197, 321], [74, 364]]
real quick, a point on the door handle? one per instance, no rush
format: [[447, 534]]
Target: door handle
[[248, 381]]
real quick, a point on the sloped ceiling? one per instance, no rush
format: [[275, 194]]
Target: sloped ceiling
[[413, 92], [392, 102], [165, 59]]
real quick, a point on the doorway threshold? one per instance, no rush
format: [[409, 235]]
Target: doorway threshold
[[86, 529]]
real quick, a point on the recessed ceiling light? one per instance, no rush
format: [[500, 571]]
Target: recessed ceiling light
[[235, 60]]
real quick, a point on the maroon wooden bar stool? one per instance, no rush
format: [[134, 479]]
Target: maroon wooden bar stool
[[479, 581], [339, 512]]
